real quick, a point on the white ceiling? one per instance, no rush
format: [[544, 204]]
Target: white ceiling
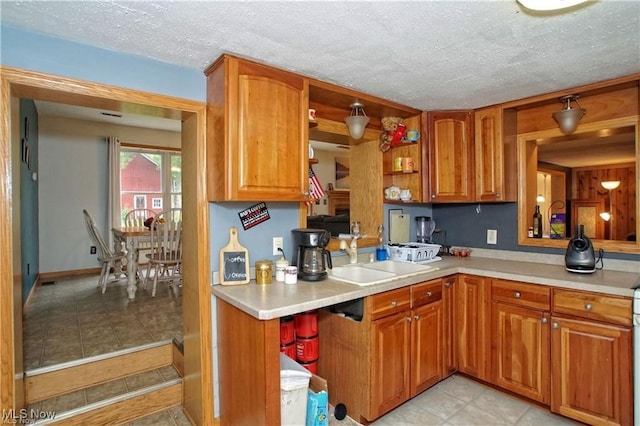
[[425, 54]]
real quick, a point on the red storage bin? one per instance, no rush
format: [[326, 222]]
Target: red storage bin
[[311, 366], [307, 349], [289, 350], [287, 331], [307, 324]]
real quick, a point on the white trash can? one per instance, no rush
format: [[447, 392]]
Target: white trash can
[[294, 385]]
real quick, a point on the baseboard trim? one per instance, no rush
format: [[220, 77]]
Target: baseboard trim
[[45, 276]]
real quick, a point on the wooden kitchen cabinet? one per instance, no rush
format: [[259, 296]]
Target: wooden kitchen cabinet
[[473, 326], [591, 359], [520, 338], [257, 132], [449, 350], [450, 155], [394, 353]]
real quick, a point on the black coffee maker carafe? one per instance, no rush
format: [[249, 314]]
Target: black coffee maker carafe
[[310, 254]]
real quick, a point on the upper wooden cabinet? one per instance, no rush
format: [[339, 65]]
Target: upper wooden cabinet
[[257, 132], [495, 155], [449, 155]]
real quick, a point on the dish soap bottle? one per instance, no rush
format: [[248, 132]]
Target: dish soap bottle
[[381, 250], [537, 223]]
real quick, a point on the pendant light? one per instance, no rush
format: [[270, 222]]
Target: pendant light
[[568, 118], [355, 122]]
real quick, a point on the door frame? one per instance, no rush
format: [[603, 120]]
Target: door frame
[[198, 358]]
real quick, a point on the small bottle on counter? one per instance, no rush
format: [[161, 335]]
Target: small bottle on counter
[[263, 271], [281, 264], [381, 250]]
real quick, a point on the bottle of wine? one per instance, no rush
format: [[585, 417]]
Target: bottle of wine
[[537, 223]]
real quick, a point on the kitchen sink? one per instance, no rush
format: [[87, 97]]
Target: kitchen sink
[[360, 275], [377, 272]]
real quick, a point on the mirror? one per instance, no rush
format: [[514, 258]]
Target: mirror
[[563, 174]]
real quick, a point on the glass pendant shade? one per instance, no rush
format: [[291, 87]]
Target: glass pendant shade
[[568, 118], [610, 184], [357, 123]]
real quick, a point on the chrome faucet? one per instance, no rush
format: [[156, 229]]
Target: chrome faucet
[[352, 249]]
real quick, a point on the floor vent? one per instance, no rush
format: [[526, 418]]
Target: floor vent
[[48, 283]]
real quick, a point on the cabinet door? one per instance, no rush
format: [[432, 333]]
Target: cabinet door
[[449, 348], [426, 347], [390, 353], [271, 113], [489, 154], [472, 326], [450, 156], [520, 348], [591, 379]]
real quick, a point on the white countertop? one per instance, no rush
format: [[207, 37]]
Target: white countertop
[[276, 300]]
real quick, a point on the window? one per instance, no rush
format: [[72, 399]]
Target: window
[[150, 174]]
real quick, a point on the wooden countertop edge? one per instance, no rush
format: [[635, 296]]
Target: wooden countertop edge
[[549, 275]]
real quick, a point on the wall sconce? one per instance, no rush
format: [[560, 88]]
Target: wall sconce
[[568, 118], [355, 122]]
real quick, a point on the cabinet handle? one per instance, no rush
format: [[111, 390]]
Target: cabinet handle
[[544, 320], [517, 294], [394, 303], [409, 319], [429, 294], [588, 307], [447, 284], [555, 325], [417, 317]]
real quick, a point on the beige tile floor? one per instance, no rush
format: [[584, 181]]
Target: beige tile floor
[[462, 401], [72, 319]]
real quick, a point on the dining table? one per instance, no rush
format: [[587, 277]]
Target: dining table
[[132, 237]]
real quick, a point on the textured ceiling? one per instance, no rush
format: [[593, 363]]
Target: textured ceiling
[[424, 54]]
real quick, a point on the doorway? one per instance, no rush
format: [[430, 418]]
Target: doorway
[[16, 84]]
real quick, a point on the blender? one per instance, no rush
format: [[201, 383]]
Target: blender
[[425, 227]]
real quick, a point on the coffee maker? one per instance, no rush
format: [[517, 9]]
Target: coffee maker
[[310, 254]]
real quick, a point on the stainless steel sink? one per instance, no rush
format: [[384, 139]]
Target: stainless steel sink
[[364, 274]]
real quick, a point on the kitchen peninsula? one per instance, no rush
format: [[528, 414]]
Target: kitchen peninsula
[[248, 327]]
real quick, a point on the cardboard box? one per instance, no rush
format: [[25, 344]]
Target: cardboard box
[[318, 402]]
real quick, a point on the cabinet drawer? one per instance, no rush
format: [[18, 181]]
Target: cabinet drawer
[[521, 294], [390, 302], [596, 306], [425, 293]]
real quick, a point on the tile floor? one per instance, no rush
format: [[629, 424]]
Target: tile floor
[[72, 319], [462, 401]]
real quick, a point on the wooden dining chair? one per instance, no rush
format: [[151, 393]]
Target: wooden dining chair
[[166, 249], [107, 258], [136, 218]]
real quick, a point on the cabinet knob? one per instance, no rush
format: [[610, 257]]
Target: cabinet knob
[[409, 319], [544, 320], [447, 284], [429, 294], [555, 325], [417, 317], [517, 294], [394, 303], [588, 307], [498, 195], [433, 196]]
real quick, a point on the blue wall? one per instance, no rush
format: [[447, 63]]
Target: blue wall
[[29, 198]]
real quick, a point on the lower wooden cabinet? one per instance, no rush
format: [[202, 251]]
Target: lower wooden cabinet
[[450, 354], [473, 326], [394, 353]]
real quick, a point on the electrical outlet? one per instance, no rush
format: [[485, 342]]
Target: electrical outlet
[[492, 236], [92, 250], [277, 244]]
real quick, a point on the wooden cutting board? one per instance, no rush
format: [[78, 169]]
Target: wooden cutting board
[[234, 261], [399, 228]]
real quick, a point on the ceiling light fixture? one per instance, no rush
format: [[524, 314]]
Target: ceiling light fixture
[[547, 5], [568, 118], [355, 122]]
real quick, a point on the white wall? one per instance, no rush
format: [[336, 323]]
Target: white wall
[[325, 169], [72, 176]]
